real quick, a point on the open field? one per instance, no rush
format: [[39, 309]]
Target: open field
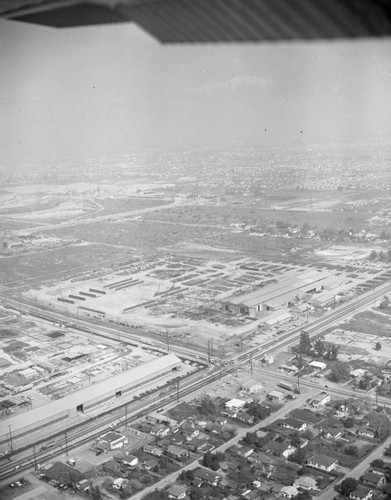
[[134, 234], [119, 205], [354, 345], [255, 213], [30, 269]]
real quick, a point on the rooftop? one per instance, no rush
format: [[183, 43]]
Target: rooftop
[[42, 413]]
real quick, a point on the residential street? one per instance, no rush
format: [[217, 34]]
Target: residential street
[[359, 470], [275, 416]]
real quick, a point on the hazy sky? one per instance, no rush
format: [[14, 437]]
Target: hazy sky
[[114, 89]]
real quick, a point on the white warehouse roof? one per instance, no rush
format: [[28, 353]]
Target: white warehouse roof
[[93, 391]]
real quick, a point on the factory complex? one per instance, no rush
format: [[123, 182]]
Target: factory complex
[[88, 399], [317, 287]]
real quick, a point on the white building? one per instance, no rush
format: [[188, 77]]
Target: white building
[[235, 403]]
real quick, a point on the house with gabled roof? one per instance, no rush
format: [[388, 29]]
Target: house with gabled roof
[[294, 424], [332, 433], [251, 495], [160, 430], [279, 449], [114, 440], [364, 431], [289, 491], [320, 400], [242, 450], [177, 491], [373, 479], [245, 417], [177, 452], [151, 464], [207, 476], [126, 459], [322, 462], [361, 493], [305, 482], [152, 450]]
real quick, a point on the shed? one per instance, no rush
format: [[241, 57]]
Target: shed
[[318, 364], [276, 396]]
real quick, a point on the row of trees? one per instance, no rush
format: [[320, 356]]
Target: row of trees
[[381, 256], [258, 411], [319, 348]]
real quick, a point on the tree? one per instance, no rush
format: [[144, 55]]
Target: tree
[[305, 345], [300, 362], [348, 485], [215, 464], [373, 255], [348, 422], [95, 492], [207, 406], [339, 372], [196, 494], [332, 352], [250, 438], [319, 347], [295, 440], [303, 495], [352, 450], [126, 492], [245, 475], [157, 495], [377, 346], [258, 411], [378, 462], [298, 456], [212, 460], [207, 460], [187, 476], [365, 383], [385, 303]]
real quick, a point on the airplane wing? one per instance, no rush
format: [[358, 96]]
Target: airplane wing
[[206, 21]]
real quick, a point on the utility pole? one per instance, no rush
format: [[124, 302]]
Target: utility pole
[[66, 443], [251, 365], [10, 438], [167, 342], [241, 344], [177, 390], [35, 457]]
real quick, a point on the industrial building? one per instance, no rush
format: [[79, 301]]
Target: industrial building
[[279, 295], [87, 399]]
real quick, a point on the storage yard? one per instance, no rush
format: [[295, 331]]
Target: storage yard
[[186, 298]]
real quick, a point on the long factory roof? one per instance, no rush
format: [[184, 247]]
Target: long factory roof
[[298, 282], [91, 392]]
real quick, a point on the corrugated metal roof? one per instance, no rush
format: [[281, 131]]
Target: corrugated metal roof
[[276, 294], [194, 21], [91, 392]]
